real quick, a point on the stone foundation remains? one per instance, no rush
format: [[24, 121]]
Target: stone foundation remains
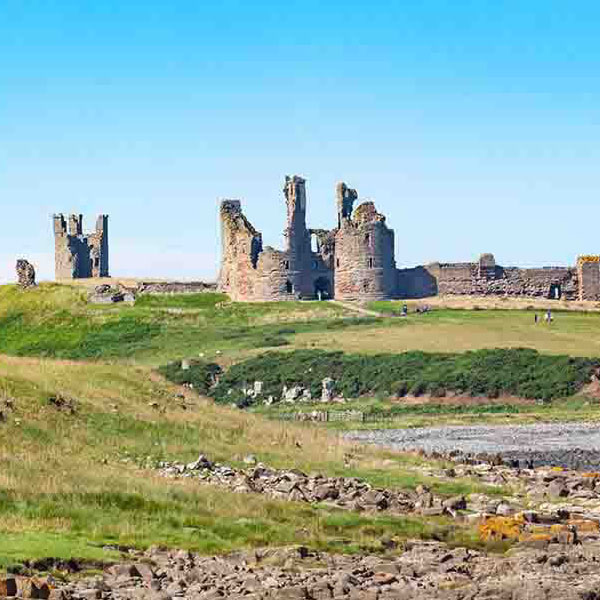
[[79, 255], [356, 261]]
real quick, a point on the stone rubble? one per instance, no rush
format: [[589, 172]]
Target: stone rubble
[[108, 294], [421, 571], [544, 504], [290, 484]]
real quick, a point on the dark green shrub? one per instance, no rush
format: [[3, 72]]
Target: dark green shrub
[[201, 374], [491, 373]]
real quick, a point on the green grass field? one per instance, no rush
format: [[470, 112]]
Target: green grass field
[[72, 483], [444, 330]]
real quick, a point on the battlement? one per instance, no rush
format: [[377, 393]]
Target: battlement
[[79, 255]]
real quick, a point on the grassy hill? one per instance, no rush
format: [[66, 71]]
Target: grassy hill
[[75, 481], [56, 321]]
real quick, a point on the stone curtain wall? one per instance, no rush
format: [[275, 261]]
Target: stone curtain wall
[[78, 255], [418, 282], [484, 278]]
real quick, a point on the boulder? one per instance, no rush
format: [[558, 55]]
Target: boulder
[[8, 586]]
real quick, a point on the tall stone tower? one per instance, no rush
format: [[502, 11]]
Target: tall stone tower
[[364, 267], [78, 255], [297, 237]]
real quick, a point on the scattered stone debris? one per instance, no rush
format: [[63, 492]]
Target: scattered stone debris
[[342, 492], [422, 571], [7, 405], [62, 403], [25, 274], [327, 393], [107, 294]]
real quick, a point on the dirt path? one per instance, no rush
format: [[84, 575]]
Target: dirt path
[[358, 309]]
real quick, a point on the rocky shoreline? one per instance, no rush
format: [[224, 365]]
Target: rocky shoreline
[[543, 505], [567, 445], [423, 570], [549, 517]]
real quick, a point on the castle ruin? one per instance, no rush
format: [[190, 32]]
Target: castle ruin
[[356, 261], [78, 255]]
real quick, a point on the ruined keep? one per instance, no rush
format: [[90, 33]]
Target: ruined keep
[[78, 255], [355, 261]]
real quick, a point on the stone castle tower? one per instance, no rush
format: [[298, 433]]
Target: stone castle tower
[[78, 255], [365, 265], [355, 260]]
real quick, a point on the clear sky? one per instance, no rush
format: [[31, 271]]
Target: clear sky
[[474, 125]]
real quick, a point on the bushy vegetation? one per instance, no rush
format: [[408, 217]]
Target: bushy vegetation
[[491, 373], [200, 375]]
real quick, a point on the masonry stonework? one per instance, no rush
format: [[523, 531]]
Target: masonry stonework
[[25, 274], [356, 261], [588, 273], [78, 255]]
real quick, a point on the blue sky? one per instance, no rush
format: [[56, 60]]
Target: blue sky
[[474, 126]]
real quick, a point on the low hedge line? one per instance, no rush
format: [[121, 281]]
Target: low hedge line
[[491, 373]]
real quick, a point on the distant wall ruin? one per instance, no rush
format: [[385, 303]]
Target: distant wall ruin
[[356, 261], [78, 255]]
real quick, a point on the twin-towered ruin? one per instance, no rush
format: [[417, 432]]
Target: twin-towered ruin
[[356, 261], [79, 255]]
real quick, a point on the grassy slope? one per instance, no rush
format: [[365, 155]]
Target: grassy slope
[[56, 321], [576, 334], [70, 484]]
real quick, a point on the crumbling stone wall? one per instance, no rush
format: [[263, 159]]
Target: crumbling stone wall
[[25, 274], [79, 255], [588, 274], [486, 278], [251, 272]]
